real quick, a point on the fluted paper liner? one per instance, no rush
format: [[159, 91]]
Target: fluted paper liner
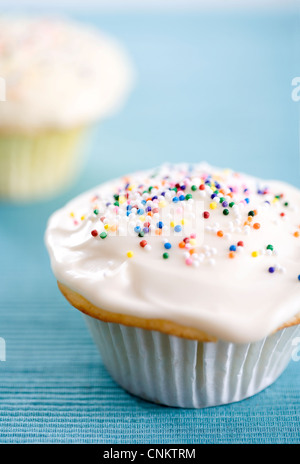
[[34, 166], [184, 373]]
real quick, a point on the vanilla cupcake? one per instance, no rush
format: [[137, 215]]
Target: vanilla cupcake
[[58, 77], [188, 278]]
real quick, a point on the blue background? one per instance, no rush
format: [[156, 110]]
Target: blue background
[[210, 86]]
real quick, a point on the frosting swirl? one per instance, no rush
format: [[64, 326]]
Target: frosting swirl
[[200, 246], [59, 73]]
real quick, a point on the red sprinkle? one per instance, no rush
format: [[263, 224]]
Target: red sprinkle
[[143, 243], [202, 187], [94, 233], [240, 243], [206, 214]]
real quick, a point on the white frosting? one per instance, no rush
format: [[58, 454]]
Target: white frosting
[[235, 299], [59, 73]]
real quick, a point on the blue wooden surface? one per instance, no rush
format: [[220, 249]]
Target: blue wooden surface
[[210, 86]]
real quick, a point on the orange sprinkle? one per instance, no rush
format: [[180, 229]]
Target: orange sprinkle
[[158, 231], [256, 226], [181, 245], [231, 255], [250, 218], [255, 212], [220, 233], [113, 228], [150, 213], [192, 251], [296, 234]]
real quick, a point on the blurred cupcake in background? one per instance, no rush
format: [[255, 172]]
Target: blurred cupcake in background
[[60, 77]]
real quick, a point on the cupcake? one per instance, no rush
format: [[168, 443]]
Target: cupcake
[[59, 78], [188, 278]]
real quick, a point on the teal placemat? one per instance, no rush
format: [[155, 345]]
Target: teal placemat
[[214, 87]]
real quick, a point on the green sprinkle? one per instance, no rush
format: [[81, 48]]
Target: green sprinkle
[[165, 255], [270, 247], [96, 211], [141, 234], [231, 204], [194, 188], [222, 199], [251, 213], [286, 204], [188, 196], [225, 212], [216, 192], [103, 235]]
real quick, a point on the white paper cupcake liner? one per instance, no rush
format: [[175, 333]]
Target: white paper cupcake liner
[[184, 373]]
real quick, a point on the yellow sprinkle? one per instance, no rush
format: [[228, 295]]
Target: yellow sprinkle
[[131, 187], [274, 200], [72, 214], [129, 254], [106, 226], [172, 224], [182, 221], [255, 254], [213, 205], [193, 241], [122, 200], [162, 204], [82, 218], [142, 218]]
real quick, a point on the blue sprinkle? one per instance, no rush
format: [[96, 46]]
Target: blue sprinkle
[[225, 204], [217, 185], [271, 269], [148, 208], [146, 230], [140, 211], [167, 245], [154, 198], [182, 187], [299, 277], [129, 207], [213, 195], [178, 228], [143, 202], [181, 197], [175, 199], [232, 248], [247, 200], [160, 224], [137, 229]]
